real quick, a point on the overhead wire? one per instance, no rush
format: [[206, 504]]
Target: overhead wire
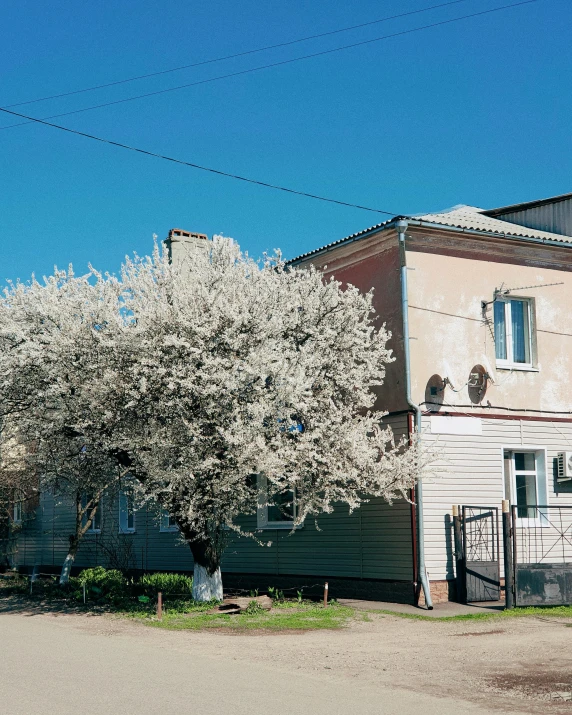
[[278, 63], [235, 55], [197, 166]]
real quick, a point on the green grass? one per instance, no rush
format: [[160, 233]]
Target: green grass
[[548, 611], [286, 616]]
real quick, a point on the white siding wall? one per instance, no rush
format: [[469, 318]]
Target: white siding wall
[[471, 473]]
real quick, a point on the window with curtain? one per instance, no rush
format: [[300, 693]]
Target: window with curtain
[[513, 334]]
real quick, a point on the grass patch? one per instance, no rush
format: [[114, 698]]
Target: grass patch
[[547, 611], [179, 613], [287, 616]]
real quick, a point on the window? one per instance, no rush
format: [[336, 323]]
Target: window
[[95, 526], [168, 522], [280, 513], [18, 508], [513, 332], [126, 513], [525, 483]]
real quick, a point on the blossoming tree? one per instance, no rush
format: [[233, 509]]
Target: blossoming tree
[[211, 379], [54, 338]]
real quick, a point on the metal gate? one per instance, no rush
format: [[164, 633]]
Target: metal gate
[[542, 554], [480, 530]]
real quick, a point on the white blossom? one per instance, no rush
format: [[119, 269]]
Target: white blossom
[[195, 378]]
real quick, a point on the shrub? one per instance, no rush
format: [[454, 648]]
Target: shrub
[[170, 584], [254, 609], [103, 584]]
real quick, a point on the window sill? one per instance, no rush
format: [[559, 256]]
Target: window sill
[[516, 367], [127, 531], [280, 526], [92, 531], [173, 530]]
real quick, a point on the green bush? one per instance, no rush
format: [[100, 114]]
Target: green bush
[[103, 584], [170, 584], [254, 609]]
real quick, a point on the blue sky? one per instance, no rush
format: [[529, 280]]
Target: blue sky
[[475, 112]]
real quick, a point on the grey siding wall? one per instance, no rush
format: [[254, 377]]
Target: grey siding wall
[[471, 472], [555, 217], [374, 542]]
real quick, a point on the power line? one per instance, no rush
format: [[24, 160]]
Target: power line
[[197, 166], [238, 54], [280, 63]]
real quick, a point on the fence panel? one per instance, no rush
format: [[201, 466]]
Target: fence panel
[[542, 549]]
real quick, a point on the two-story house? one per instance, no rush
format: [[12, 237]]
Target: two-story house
[[478, 305], [477, 302]]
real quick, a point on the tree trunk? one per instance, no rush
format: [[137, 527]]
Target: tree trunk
[[207, 578], [70, 558], [206, 586]]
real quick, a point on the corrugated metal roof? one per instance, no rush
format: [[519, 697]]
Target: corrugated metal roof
[[464, 217], [512, 208], [474, 218]]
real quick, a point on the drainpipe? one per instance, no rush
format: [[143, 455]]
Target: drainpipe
[[401, 227]]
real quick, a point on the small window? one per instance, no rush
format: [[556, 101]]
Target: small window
[[513, 332], [168, 522], [95, 526], [525, 483], [280, 512], [126, 513]]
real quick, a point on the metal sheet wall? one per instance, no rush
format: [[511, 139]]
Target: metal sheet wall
[[556, 217]]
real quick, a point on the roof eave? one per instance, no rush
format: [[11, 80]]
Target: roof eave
[[492, 234], [379, 228], [424, 224]]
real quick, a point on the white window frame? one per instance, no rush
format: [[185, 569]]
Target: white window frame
[[262, 509], [541, 481], [92, 529], [165, 525], [124, 505], [509, 363]]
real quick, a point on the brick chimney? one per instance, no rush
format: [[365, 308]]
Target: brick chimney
[[180, 244]]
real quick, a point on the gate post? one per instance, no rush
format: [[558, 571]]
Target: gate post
[[459, 556], [508, 561]]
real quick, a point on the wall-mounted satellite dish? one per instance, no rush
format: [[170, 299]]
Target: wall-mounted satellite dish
[[434, 392], [477, 384]]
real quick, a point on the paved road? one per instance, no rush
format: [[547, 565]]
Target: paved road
[[48, 667]]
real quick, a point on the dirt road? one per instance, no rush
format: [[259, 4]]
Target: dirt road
[[99, 664]]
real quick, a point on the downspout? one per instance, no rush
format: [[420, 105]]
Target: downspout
[[401, 227]]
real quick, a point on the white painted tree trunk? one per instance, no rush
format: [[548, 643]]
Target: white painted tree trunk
[[206, 586], [66, 569]]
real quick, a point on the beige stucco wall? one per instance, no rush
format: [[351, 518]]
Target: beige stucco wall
[[374, 263], [449, 335]]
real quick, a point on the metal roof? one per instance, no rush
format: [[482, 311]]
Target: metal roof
[[476, 219], [527, 205], [463, 217]]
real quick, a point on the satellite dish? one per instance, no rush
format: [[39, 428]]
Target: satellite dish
[[477, 384], [434, 392]]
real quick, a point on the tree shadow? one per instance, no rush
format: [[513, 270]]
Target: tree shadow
[[15, 600]]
